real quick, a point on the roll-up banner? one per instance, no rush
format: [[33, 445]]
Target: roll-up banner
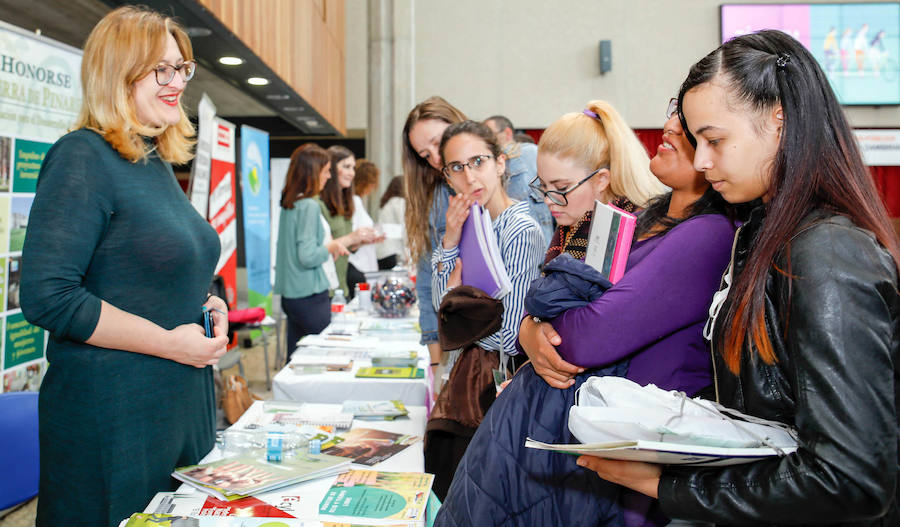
[[222, 205], [40, 96], [255, 206]]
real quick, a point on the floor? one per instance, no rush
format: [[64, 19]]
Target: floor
[[254, 369]]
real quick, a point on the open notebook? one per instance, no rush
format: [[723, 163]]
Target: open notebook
[[482, 266]]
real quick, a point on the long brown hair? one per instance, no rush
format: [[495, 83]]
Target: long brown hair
[[338, 200], [394, 189], [123, 48], [366, 178], [817, 166], [302, 179], [419, 177]]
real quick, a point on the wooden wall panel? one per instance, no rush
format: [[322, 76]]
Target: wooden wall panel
[[300, 40]]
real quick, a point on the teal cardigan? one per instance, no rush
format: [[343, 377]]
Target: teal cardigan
[[301, 251]]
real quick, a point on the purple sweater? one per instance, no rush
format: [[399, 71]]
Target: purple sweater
[[656, 312]]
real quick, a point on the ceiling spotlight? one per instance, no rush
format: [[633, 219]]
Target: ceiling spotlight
[[277, 96], [293, 108], [258, 81], [231, 61], [197, 31], [312, 123]]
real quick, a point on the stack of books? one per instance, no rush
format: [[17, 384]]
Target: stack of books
[[609, 241], [305, 364], [390, 372], [244, 476], [398, 359], [375, 410]]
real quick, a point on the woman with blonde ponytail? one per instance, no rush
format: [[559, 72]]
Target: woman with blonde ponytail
[[598, 138], [427, 198]]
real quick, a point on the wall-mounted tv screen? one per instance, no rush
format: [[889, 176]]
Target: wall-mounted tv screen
[[857, 45]]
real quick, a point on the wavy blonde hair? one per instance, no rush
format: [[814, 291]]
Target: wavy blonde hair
[[606, 141], [420, 179], [121, 49]]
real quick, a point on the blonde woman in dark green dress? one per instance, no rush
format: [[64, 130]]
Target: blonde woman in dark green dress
[[116, 266]]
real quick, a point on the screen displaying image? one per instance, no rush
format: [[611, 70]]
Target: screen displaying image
[[857, 45]]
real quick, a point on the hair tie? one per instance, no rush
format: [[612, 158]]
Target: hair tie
[[783, 59], [591, 114]]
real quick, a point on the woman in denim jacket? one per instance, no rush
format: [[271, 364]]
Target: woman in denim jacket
[[427, 196]]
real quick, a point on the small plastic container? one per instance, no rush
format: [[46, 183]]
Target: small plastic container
[[274, 444], [364, 294]]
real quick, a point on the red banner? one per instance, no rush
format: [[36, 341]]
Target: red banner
[[222, 205]]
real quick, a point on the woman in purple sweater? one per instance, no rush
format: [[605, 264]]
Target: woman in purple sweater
[[652, 318]]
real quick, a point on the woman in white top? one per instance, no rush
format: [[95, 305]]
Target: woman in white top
[[364, 260], [392, 251]]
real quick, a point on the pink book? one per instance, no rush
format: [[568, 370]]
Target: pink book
[[609, 241]]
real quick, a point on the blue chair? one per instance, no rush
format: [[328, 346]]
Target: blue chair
[[19, 449]]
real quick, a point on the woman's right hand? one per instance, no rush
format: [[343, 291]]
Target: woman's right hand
[[188, 344], [367, 235], [336, 249], [539, 340], [457, 212]]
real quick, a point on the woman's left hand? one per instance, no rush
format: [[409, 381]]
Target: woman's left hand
[[455, 278], [219, 310], [636, 475]]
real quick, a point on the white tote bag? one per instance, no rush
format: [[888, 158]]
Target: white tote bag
[[610, 409]]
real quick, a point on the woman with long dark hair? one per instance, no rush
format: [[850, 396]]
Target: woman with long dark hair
[[427, 196], [392, 208], [808, 331], [338, 208]]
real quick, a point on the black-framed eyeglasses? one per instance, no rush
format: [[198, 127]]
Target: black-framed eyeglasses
[[474, 163], [672, 109], [559, 196], [165, 73]]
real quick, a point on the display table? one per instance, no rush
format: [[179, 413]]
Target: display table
[[338, 386], [302, 500]]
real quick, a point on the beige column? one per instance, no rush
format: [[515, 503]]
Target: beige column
[[390, 85]]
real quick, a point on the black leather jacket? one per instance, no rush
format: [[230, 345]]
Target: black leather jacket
[[835, 331]]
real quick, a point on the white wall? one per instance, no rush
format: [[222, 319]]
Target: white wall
[[533, 60]]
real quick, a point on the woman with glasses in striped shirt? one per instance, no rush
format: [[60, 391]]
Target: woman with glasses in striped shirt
[[475, 168]]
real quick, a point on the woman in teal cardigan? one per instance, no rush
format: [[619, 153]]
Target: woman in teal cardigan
[[303, 253]]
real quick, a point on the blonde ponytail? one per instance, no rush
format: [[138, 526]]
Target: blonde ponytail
[[604, 140]]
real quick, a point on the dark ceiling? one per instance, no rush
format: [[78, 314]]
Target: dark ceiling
[[276, 108]]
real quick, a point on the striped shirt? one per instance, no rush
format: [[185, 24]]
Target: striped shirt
[[522, 251]]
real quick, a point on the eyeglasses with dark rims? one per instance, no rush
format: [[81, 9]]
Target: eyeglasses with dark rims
[[165, 73], [474, 163], [559, 196]]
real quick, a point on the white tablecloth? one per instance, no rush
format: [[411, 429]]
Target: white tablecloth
[[336, 387]]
